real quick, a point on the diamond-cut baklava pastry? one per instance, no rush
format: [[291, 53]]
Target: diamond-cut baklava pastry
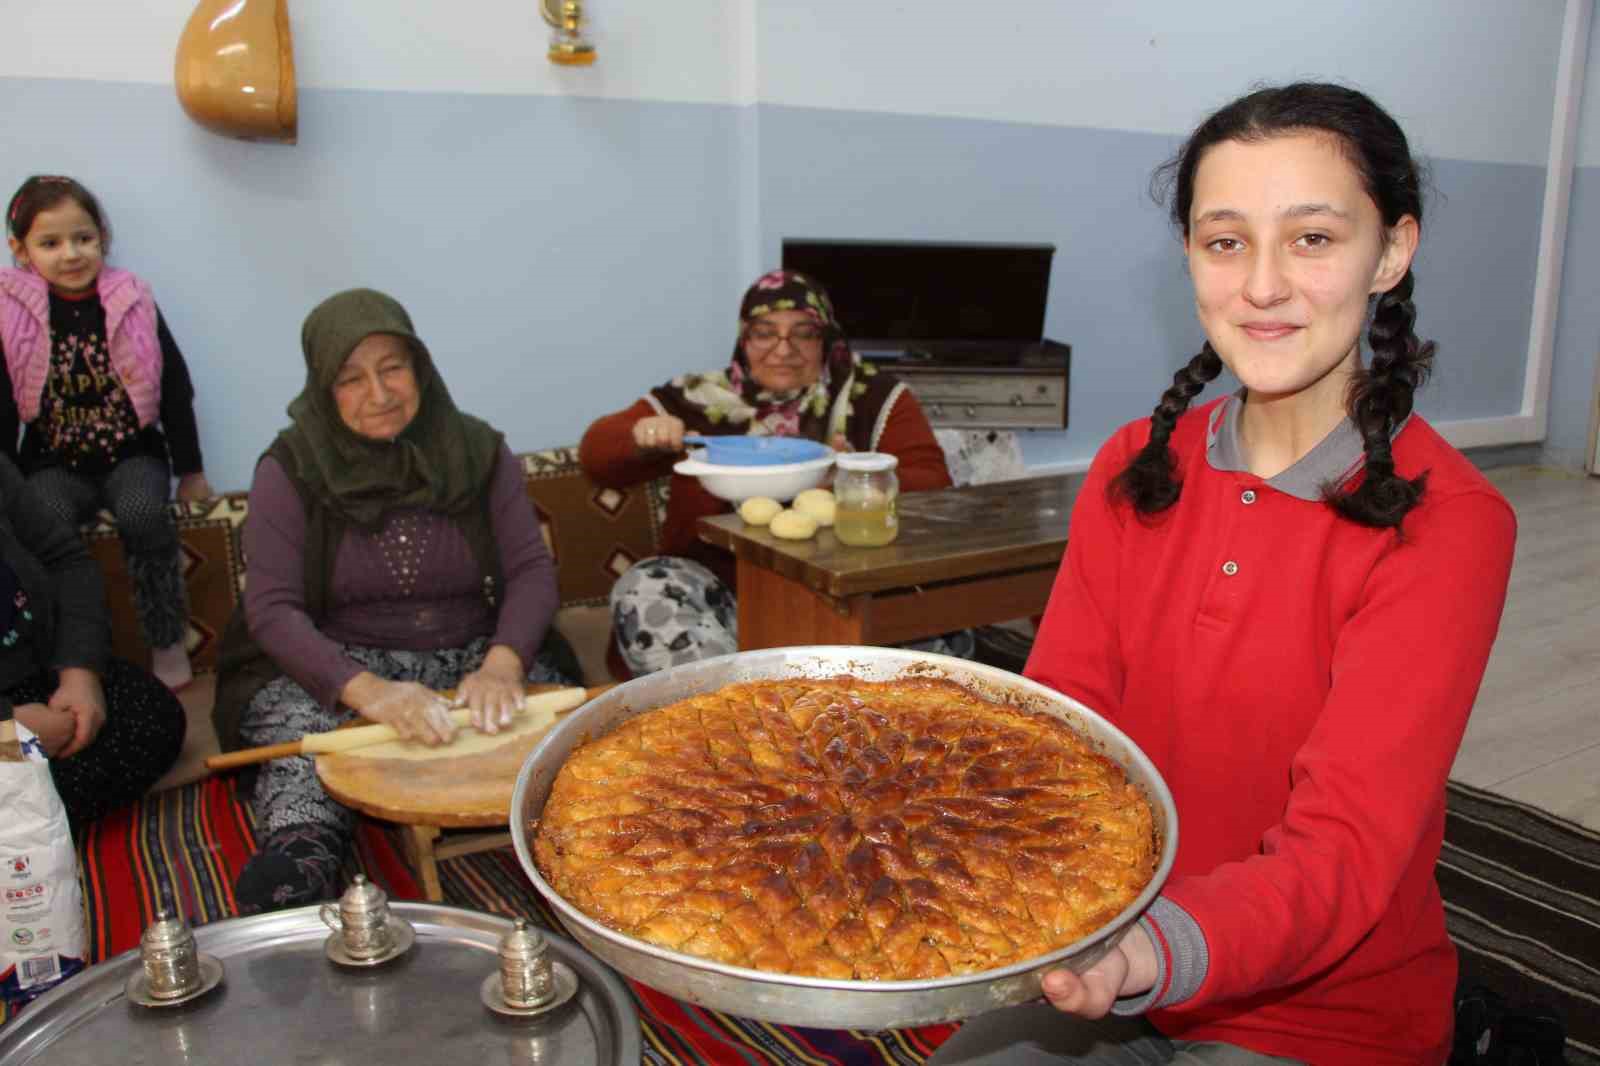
[[842, 828]]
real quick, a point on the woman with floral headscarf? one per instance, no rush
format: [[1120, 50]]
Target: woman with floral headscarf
[[792, 375]]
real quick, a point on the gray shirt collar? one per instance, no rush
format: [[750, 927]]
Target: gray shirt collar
[[1332, 461]]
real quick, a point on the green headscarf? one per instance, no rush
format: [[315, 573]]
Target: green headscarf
[[441, 461]]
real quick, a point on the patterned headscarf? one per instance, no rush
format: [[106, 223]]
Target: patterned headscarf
[[845, 398]]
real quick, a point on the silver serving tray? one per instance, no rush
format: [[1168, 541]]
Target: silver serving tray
[[817, 1001], [281, 1000]]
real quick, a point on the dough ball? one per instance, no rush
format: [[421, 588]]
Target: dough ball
[[759, 510], [818, 503], [793, 525]]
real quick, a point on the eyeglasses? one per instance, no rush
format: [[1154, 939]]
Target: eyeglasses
[[763, 337]]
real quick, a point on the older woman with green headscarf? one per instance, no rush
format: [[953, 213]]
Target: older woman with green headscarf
[[392, 553]]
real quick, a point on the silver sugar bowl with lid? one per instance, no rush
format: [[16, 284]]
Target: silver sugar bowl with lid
[[170, 959], [171, 969], [364, 932], [530, 980], [526, 979]]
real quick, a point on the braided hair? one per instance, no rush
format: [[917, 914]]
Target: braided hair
[[1380, 396]]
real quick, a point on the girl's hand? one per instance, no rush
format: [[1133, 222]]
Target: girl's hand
[[53, 728], [658, 433], [839, 443], [494, 691], [80, 695], [1127, 969], [194, 487]]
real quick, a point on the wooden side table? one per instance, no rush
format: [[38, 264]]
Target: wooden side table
[[964, 557]]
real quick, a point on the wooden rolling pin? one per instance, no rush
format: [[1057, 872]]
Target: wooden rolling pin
[[546, 703]]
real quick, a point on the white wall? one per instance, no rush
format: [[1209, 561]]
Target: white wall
[[682, 50], [1469, 79], [590, 230]]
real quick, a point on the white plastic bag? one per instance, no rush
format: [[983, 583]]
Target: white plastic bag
[[42, 937]]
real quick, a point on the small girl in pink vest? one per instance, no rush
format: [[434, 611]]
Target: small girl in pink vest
[[92, 372]]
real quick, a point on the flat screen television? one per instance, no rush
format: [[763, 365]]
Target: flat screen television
[[894, 294]]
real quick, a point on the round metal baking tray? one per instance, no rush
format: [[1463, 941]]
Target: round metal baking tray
[[283, 1001], [817, 1001]]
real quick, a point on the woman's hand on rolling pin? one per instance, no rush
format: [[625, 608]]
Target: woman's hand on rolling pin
[[412, 710], [658, 433], [493, 692]]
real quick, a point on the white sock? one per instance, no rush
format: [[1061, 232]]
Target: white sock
[[171, 665]]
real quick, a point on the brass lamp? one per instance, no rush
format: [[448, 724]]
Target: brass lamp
[[568, 46]]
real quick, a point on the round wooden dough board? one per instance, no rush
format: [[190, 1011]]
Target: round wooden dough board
[[445, 786]]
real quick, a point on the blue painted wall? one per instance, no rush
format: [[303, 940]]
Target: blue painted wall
[[1572, 379], [558, 254], [565, 239], [1119, 293]]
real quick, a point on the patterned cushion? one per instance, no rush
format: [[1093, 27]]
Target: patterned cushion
[[213, 571], [593, 533]]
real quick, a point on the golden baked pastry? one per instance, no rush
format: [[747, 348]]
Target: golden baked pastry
[[850, 829]]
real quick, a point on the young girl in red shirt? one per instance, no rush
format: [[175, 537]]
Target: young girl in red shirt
[[1287, 598]]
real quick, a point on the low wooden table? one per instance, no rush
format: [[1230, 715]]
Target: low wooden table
[[965, 557], [432, 795]]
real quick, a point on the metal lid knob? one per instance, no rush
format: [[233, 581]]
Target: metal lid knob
[[166, 932], [363, 896]]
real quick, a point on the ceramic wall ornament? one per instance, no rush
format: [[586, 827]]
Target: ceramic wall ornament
[[235, 69]]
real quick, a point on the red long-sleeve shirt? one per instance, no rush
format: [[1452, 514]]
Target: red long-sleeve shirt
[[609, 456], [1302, 682]]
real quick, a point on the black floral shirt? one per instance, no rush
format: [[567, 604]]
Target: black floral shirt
[[85, 415]]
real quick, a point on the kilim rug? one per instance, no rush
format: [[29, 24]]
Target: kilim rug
[[1520, 889], [1522, 902]]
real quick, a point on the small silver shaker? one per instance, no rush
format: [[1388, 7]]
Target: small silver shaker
[[171, 963], [526, 978], [361, 919]]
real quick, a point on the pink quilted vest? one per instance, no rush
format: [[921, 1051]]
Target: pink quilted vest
[[130, 323]]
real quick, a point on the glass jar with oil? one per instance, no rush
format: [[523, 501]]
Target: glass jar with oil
[[865, 496]]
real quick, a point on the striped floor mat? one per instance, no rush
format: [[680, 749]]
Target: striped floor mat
[[1520, 889], [1522, 902]]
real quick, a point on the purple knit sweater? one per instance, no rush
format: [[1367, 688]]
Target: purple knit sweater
[[422, 594]]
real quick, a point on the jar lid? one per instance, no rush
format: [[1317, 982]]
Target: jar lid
[[865, 462]]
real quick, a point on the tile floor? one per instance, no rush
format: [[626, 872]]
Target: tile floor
[[1535, 732]]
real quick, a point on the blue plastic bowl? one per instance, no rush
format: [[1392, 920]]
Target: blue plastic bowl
[[758, 451]]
